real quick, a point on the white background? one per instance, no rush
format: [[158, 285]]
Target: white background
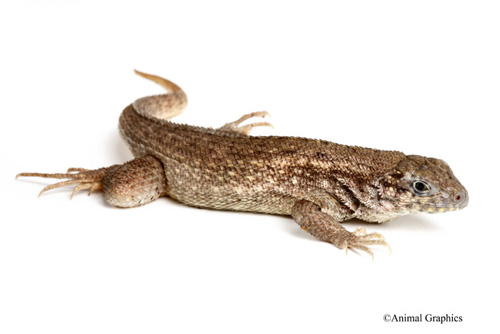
[[421, 77]]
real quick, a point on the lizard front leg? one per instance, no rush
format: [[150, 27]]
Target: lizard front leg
[[133, 183], [326, 227]]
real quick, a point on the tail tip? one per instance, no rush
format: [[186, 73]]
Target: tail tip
[[139, 72]]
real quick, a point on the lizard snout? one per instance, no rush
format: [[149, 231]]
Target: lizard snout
[[461, 199]]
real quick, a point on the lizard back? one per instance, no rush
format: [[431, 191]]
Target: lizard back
[[232, 171]]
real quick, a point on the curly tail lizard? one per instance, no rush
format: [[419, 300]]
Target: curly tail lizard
[[319, 183]]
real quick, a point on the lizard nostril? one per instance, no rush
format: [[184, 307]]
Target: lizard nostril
[[461, 198]]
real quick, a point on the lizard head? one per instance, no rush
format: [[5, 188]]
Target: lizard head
[[420, 184]]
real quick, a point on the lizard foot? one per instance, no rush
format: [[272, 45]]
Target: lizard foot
[[82, 178], [326, 227], [360, 240], [245, 129]]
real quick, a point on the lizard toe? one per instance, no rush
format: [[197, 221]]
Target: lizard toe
[[245, 129], [82, 178]]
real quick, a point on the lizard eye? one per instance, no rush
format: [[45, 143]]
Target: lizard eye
[[421, 187]]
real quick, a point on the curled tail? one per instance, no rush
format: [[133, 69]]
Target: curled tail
[[164, 106]]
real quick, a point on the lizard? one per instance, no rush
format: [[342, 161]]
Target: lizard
[[318, 183]]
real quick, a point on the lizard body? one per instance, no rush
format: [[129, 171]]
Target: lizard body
[[319, 183]]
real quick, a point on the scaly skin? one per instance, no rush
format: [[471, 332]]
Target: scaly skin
[[319, 183]]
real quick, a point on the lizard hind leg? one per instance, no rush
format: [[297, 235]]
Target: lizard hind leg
[[134, 183], [245, 129], [131, 184]]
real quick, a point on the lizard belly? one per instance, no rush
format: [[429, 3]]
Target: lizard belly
[[222, 190]]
